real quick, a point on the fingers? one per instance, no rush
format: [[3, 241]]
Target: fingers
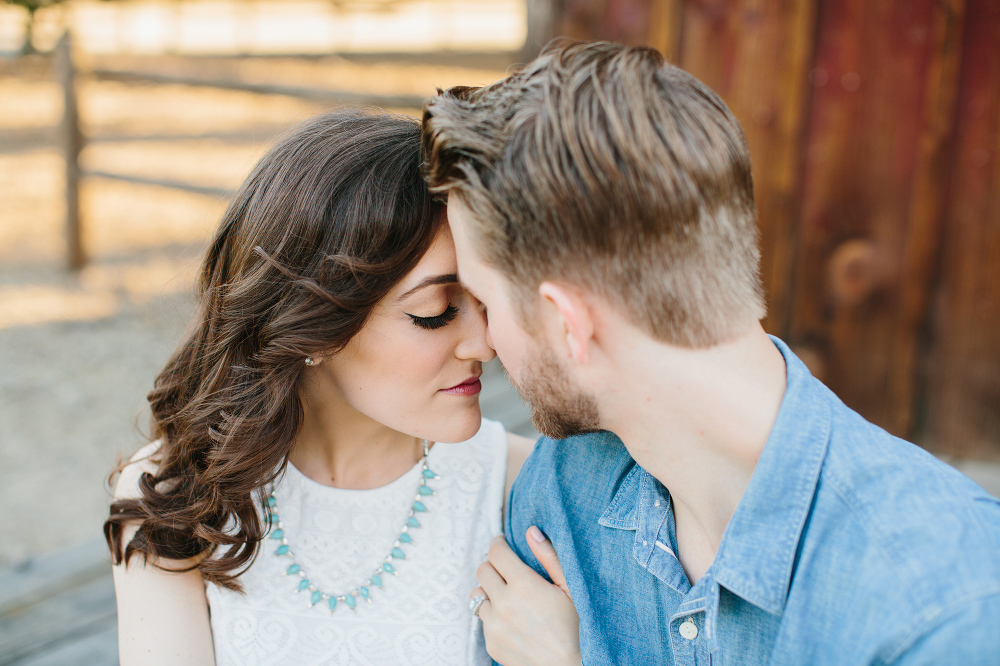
[[546, 555], [485, 613], [479, 591], [490, 581], [526, 620], [507, 563], [485, 607]]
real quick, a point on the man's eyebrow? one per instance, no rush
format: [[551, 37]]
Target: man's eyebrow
[[450, 278]]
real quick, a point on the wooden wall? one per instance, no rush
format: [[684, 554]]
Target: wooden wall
[[874, 129]]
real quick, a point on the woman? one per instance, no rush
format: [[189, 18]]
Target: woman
[[302, 502]]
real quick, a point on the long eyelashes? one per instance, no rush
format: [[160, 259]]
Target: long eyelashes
[[437, 321]]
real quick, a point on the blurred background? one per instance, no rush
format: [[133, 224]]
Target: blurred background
[[874, 128]]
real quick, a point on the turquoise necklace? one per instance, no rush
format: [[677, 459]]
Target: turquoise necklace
[[363, 591]]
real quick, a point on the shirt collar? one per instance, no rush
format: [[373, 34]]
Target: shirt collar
[[757, 552], [622, 512]]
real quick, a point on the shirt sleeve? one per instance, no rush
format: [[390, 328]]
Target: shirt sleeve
[[969, 636]]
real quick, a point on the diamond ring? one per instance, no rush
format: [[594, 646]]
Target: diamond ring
[[476, 602]]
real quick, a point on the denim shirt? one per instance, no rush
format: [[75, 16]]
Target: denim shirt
[[849, 546]]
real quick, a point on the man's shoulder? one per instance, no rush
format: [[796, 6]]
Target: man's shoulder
[[578, 475], [896, 534], [565, 488], [576, 464], [910, 520], [888, 479]]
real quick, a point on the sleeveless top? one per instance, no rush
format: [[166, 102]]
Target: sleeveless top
[[340, 537]]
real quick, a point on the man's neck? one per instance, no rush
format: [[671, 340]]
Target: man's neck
[[697, 420]]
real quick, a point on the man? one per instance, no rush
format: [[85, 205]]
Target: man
[[602, 208]]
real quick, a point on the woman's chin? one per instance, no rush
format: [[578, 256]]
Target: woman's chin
[[458, 427]]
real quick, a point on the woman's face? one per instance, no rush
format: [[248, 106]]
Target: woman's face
[[415, 365]]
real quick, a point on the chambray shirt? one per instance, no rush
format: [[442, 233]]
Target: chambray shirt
[[849, 546]]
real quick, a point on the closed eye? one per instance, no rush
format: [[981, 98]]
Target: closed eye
[[437, 321]]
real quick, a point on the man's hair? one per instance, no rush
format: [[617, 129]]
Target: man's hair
[[603, 166]]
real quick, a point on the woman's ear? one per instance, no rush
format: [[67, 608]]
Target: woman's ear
[[569, 314]]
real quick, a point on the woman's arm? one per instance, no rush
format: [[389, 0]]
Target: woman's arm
[[162, 616]]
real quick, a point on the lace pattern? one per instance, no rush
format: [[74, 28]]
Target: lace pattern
[[340, 536]]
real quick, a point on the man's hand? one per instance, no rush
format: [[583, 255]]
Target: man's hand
[[527, 620]]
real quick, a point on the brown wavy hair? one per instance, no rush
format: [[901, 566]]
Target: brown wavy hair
[[328, 221]]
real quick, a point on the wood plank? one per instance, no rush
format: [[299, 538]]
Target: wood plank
[[44, 577], [169, 183], [756, 55], [624, 21], [78, 612], [99, 648], [72, 145], [831, 212], [873, 130], [666, 27], [919, 267], [963, 402], [317, 94]]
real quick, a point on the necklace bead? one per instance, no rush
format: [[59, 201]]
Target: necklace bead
[[397, 553]]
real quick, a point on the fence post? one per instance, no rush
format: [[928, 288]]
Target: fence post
[[72, 141]]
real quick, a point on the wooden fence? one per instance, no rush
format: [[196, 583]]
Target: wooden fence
[[873, 127], [73, 139]]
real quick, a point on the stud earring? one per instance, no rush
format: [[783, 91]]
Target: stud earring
[[310, 361]]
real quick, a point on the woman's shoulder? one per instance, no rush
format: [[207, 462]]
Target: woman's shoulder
[[142, 461], [518, 450]]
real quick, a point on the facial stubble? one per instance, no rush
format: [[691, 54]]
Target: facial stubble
[[558, 409]]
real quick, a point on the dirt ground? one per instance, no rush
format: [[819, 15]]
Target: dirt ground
[[78, 353]]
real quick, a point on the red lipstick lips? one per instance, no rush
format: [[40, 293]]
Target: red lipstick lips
[[471, 386]]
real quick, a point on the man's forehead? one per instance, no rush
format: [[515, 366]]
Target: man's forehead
[[457, 224]]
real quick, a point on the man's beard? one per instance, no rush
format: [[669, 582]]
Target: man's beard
[[558, 409]]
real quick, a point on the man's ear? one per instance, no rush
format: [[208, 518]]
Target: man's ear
[[573, 317]]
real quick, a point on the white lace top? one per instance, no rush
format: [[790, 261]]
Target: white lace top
[[340, 537]]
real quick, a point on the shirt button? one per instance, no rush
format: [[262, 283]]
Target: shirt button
[[688, 630]]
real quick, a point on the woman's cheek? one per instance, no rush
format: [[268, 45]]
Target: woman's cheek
[[427, 359]]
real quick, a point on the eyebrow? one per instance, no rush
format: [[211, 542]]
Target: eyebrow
[[450, 278]]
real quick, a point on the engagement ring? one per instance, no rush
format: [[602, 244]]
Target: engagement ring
[[475, 603]]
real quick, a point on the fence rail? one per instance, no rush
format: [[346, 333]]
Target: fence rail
[[73, 139], [312, 94], [159, 182]]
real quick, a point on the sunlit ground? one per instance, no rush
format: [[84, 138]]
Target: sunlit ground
[[78, 353]]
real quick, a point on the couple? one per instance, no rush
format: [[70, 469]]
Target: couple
[[323, 489]]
